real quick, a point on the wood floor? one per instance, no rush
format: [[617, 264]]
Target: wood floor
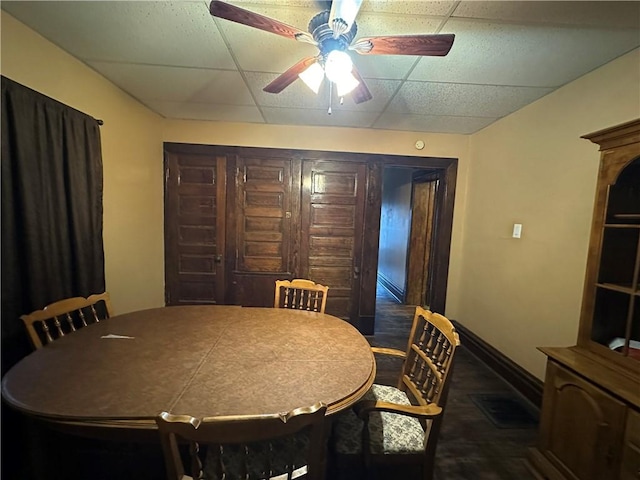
[[470, 445]]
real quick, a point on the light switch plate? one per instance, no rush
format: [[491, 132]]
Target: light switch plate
[[517, 230]]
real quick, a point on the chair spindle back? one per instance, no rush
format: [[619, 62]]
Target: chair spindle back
[[66, 316], [246, 446], [300, 294], [430, 351]]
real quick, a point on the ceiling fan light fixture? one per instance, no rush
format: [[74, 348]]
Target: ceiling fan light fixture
[[337, 65], [333, 31], [346, 84], [312, 77]]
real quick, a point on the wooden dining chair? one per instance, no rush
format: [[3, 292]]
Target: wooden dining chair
[[401, 424], [66, 316], [301, 294], [281, 446]]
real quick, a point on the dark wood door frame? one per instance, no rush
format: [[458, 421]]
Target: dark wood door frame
[[446, 168]]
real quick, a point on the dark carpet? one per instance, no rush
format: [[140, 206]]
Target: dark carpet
[[471, 445], [505, 410]]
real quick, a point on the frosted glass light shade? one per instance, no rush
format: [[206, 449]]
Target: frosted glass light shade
[[338, 68], [346, 84], [337, 65], [313, 77]]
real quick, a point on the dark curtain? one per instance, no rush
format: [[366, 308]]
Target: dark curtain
[[51, 209], [51, 188]]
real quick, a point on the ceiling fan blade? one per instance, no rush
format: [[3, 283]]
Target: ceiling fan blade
[[425, 45], [361, 93], [342, 15], [245, 17], [290, 76], [323, 4]]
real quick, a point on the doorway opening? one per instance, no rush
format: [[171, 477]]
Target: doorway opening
[[409, 244]]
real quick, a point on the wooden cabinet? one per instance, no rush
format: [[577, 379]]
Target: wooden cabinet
[[589, 426], [630, 468], [610, 319], [581, 426]]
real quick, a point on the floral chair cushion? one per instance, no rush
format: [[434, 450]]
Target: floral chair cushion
[[389, 433]]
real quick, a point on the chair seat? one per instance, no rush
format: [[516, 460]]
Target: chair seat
[[389, 433]]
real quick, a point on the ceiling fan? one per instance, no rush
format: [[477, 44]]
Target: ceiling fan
[[332, 31]]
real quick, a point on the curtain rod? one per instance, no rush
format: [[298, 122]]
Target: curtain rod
[[9, 81]]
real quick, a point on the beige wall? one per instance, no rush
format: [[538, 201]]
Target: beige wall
[[132, 159], [533, 168], [529, 168]]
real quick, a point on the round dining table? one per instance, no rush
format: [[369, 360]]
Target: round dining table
[[202, 361]]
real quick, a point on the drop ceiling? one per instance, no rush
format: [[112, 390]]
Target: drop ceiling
[[182, 63]]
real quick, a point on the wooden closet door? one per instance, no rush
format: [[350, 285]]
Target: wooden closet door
[[194, 228], [266, 211], [332, 215]]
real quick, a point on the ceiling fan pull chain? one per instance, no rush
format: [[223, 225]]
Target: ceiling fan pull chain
[[330, 96]]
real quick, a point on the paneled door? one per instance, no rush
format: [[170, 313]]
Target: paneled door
[[195, 187], [263, 214], [419, 283], [332, 215], [265, 210]]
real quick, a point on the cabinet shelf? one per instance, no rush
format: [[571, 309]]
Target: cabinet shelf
[[622, 225], [627, 216], [620, 288]]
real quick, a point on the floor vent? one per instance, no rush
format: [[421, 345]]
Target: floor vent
[[505, 410]]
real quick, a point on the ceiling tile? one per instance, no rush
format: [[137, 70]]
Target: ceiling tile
[[432, 123], [148, 82], [370, 25], [462, 100], [339, 118], [158, 33], [504, 54], [261, 51], [206, 111], [407, 8], [384, 67], [602, 14], [256, 4]]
